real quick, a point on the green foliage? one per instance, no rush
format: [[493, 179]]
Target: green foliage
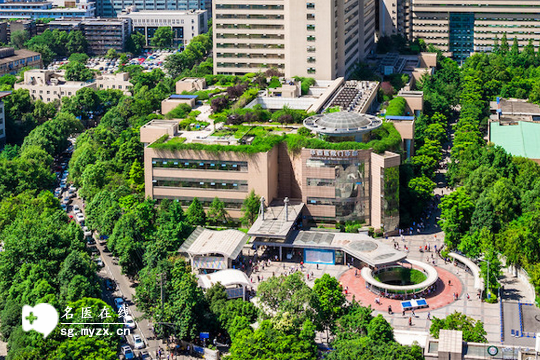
[[396, 107], [306, 83], [217, 213], [473, 330], [456, 212], [250, 208], [78, 57], [179, 112], [194, 53], [163, 37], [52, 44], [135, 43], [76, 71], [329, 301], [195, 214], [18, 38]]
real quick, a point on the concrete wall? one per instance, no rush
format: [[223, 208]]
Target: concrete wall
[[190, 84], [262, 174], [170, 104]]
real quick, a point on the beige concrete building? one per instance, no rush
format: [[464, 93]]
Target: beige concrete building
[[319, 38], [394, 17], [3, 94], [190, 84], [49, 85], [119, 81], [466, 27], [174, 100], [342, 185]]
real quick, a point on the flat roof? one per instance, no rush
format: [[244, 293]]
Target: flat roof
[[521, 139], [3, 94], [19, 54], [515, 107], [226, 277], [274, 223], [176, 96], [395, 117], [360, 245], [228, 243]]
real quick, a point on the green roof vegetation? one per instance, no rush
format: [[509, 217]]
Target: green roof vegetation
[[396, 106], [382, 139]]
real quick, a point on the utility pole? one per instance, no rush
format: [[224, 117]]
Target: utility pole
[[162, 280]]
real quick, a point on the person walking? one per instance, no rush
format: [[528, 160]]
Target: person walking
[[429, 316], [410, 321], [413, 313]]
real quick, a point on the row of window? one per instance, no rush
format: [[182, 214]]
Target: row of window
[[235, 185], [250, 46], [248, 7], [249, 16], [250, 36], [241, 166], [251, 56], [249, 65], [206, 202], [249, 26]]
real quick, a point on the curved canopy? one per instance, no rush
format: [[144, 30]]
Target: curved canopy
[[432, 276], [342, 123], [228, 277]]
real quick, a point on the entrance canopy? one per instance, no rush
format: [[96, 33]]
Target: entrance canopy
[[361, 246], [228, 243]]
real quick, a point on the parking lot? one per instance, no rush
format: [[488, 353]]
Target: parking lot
[[149, 61]]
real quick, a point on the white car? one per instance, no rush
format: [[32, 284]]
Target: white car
[[76, 209], [86, 231], [79, 217], [138, 342], [129, 322], [99, 262]]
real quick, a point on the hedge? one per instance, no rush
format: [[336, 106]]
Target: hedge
[[396, 107]]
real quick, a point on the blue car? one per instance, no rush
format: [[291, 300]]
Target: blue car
[[127, 352]]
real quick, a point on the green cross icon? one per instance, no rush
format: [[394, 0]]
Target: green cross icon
[[31, 318]]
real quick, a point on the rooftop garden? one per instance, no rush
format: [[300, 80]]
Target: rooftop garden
[[385, 138]]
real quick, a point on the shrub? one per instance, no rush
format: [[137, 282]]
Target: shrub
[[396, 107]]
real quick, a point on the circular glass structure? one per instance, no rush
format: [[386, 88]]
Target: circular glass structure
[[342, 123], [400, 276]]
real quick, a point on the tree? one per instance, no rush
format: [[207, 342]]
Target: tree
[[195, 214], [18, 38], [503, 50], [456, 212], [269, 342], [76, 42], [163, 37], [328, 302], [217, 212], [111, 54], [354, 324], [287, 294], [422, 187], [473, 330], [75, 71], [135, 43], [250, 208], [380, 330], [79, 57]]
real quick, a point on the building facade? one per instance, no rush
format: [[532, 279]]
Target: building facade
[[184, 24], [114, 8], [11, 60], [319, 38], [335, 185], [36, 10], [463, 28], [105, 34], [394, 17], [48, 85]]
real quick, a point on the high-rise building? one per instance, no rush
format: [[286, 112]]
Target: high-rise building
[[394, 17], [319, 38], [472, 26], [113, 8]]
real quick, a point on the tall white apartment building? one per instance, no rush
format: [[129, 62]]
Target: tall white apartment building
[[316, 38]]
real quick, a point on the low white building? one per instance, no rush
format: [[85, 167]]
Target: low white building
[[184, 24], [119, 81]]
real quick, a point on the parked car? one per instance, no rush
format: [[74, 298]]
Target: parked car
[[129, 322], [110, 285], [90, 241], [118, 302], [80, 218], [138, 342], [66, 200], [145, 355], [76, 209], [86, 231], [99, 262], [127, 352], [93, 249]]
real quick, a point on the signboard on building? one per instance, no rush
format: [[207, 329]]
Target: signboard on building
[[318, 154]]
